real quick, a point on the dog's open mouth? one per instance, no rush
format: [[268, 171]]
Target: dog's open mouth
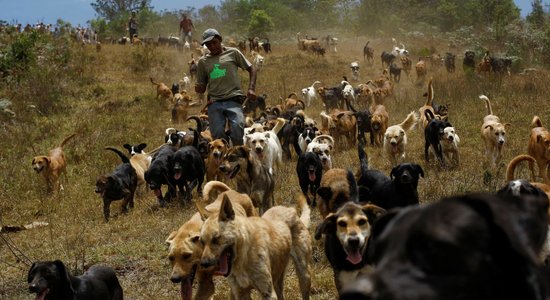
[[311, 174], [177, 174], [232, 173], [395, 148], [42, 294], [260, 153], [355, 254], [186, 290], [158, 193], [224, 262], [38, 169]]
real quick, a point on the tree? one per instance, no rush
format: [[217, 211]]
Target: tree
[[536, 17], [260, 23], [111, 9]]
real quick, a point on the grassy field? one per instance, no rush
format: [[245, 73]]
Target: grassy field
[[116, 105]]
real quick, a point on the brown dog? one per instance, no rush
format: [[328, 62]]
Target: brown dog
[[493, 133], [421, 70], [180, 109], [292, 101], [253, 252], [216, 151], [345, 125], [335, 189], [539, 147], [185, 250], [52, 166], [379, 123], [163, 91]]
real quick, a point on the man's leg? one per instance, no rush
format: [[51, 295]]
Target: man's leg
[[235, 116], [216, 119]]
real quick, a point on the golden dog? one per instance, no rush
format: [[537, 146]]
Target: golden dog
[[52, 166], [163, 91], [345, 125], [379, 123], [185, 250], [334, 190], [180, 109], [216, 151], [493, 133], [421, 70], [292, 101], [253, 252], [539, 147], [395, 139]]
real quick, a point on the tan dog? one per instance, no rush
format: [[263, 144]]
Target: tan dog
[[421, 70], [493, 133], [406, 64], [334, 190], [253, 252], [345, 125], [185, 249], [379, 123], [163, 91], [52, 166], [539, 147], [395, 139], [292, 101], [181, 106], [216, 151]]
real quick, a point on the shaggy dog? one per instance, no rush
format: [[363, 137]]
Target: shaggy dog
[[395, 139]]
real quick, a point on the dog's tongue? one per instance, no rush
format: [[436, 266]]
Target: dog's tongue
[[223, 264], [354, 257], [177, 175], [186, 289], [218, 161], [394, 149], [158, 193], [42, 294], [312, 176]]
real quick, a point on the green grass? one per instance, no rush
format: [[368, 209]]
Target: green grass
[[115, 104]]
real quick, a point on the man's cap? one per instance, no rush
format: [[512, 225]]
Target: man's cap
[[209, 34]]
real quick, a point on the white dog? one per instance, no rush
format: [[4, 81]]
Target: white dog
[[267, 145], [186, 83], [395, 139], [348, 92], [449, 144], [354, 71], [310, 93], [257, 60], [322, 145]]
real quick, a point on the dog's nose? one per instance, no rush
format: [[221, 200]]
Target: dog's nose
[[353, 242], [175, 279], [33, 288], [205, 263], [222, 168], [451, 138]]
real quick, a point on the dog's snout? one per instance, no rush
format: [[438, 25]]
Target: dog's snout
[[175, 278], [222, 168], [451, 138], [33, 288], [205, 263], [353, 241]]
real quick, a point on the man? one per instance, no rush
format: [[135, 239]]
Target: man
[[218, 73], [186, 26], [133, 26]]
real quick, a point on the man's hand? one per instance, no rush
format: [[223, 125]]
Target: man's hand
[[199, 88], [251, 94]]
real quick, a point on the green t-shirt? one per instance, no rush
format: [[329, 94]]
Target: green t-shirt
[[220, 73]]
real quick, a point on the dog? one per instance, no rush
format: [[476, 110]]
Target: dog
[[120, 184], [193, 68], [310, 93], [253, 252], [160, 173], [266, 146], [368, 53], [421, 70], [434, 135], [539, 147], [347, 233], [309, 170], [364, 125], [493, 134], [428, 105], [188, 169], [337, 187], [180, 109], [216, 151], [322, 146], [468, 63], [255, 106], [354, 66], [395, 72], [510, 170], [449, 145], [387, 58], [257, 60], [135, 149], [487, 239], [398, 190], [345, 125], [395, 139], [450, 62], [379, 123], [53, 166], [306, 136], [163, 91], [251, 176], [185, 249], [52, 280], [406, 65]]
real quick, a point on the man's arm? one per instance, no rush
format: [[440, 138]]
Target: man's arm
[[251, 94]]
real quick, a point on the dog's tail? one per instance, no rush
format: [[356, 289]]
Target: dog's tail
[[410, 121], [198, 121], [536, 122], [487, 104], [429, 94], [212, 189], [124, 158], [363, 158], [353, 189], [292, 96], [429, 115], [303, 207], [153, 82], [511, 168], [315, 83], [66, 140], [279, 125]]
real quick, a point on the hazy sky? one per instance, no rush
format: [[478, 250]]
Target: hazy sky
[[79, 11]]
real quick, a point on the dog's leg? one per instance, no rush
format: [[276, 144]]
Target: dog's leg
[[206, 285], [106, 209]]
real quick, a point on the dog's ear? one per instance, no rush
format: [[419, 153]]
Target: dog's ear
[[324, 192], [373, 212], [141, 146], [64, 275], [171, 237], [30, 275], [127, 146], [489, 126], [394, 171], [225, 142], [418, 169], [327, 226], [202, 211], [507, 125], [226, 210]]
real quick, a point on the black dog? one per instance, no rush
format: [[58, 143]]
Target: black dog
[[310, 172], [433, 133], [253, 106], [288, 135], [135, 149], [363, 124], [52, 280], [450, 62], [121, 184], [387, 58], [266, 46], [469, 63], [188, 170], [501, 65], [395, 72], [492, 256], [398, 190], [161, 172]]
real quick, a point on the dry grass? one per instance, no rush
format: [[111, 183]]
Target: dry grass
[[117, 106]]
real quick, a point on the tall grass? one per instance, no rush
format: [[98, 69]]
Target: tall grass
[[107, 99]]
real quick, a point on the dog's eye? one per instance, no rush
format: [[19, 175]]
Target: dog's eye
[[170, 258], [361, 222], [342, 224], [186, 256]]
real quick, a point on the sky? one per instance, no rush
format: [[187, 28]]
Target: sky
[[79, 11]]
